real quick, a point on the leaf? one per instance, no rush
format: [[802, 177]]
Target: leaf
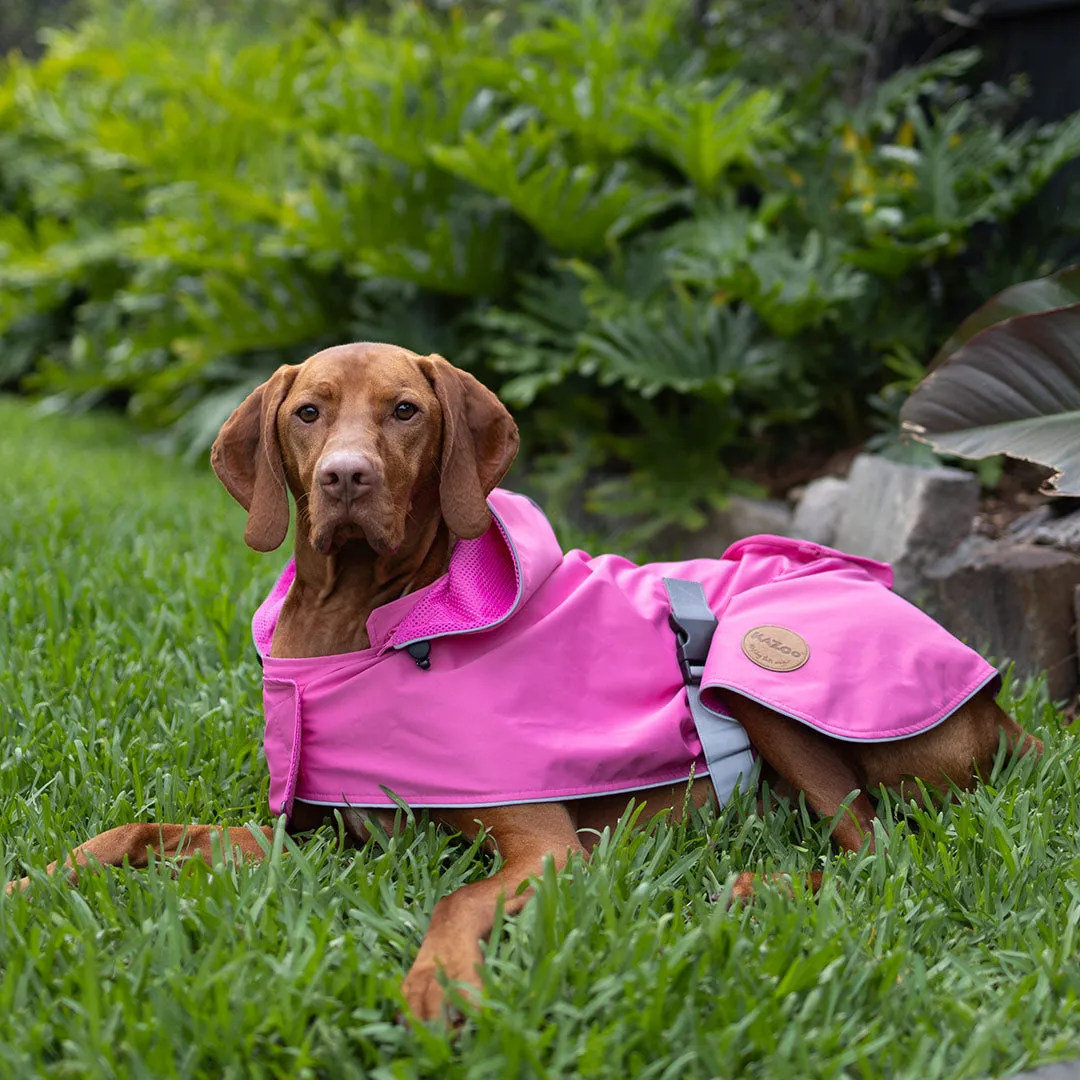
[[535, 340], [704, 132], [1026, 298], [1013, 388], [578, 208], [790, 289], [677, 346]]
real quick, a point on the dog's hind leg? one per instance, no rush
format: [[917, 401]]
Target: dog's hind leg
[[958, 751], [133, 844], [814, 764]]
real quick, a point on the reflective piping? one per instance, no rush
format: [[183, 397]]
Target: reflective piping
[[518, 573], [851, 738], [499, 802]]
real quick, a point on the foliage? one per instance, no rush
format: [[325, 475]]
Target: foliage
[[131, 692], [586, 198], [22, 20], [1008, 381]]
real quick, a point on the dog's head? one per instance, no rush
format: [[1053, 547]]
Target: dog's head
[[360, 434]]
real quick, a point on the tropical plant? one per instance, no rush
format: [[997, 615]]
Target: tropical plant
[[602, 207], [1008, 382]]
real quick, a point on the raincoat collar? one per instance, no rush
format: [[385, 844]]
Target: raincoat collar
[[487, 581]]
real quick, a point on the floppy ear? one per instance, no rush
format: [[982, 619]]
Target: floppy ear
[[246, 456], [480, 440]]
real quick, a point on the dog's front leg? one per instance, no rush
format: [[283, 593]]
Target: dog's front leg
[[524, 836], [133, 844]]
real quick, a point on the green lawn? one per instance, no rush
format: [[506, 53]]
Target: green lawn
[[129, 690]]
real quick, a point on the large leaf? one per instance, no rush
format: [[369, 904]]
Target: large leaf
[[579, 208], [1014, 386], [704, 131], [1027, 298]]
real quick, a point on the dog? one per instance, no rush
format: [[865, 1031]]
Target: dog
[[393, 462]]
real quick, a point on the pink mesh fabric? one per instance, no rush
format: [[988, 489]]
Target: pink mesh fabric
[[479, 589], [266, 616]]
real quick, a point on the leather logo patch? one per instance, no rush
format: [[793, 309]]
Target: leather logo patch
[[775, 648]]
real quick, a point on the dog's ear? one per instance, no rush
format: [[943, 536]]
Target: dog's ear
[[246, 456], [480, 440]]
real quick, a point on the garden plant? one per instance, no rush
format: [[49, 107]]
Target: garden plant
[[1008, 381], [679, 238]]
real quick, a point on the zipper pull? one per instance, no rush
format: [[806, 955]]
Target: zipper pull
[[420, 651]]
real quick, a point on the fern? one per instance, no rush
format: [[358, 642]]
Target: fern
[[675, 470], [400, 93], [381, 220], [791, 289], [594, 201], [581, 70]]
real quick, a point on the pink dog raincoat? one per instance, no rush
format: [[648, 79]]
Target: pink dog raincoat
[[555, 676]]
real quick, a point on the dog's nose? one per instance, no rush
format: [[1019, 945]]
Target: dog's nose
[[345, 474]]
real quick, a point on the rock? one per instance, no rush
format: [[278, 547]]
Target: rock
[[1045, 525], [1013, 602], [742, 517], [906, 515], [1062, 1070], [819, 511]]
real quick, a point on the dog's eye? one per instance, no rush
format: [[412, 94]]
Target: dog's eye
[[308, 413], [406, 411]]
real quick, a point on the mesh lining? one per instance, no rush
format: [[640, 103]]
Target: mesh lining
[[266, 616], [478, 590]]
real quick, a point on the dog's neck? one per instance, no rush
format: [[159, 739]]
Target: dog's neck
[[327, 608]]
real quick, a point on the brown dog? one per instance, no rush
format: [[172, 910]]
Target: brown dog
[[389, 457]]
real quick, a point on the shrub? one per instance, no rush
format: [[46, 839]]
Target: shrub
[[667, 266]]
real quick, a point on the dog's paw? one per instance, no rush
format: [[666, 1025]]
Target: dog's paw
[[17, 885], [426, 994], [746, 885], [743, 889]]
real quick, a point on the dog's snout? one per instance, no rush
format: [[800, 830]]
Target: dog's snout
[[345, 474]]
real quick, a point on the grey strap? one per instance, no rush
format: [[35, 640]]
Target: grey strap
[[724, 741]]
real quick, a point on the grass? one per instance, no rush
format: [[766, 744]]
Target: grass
[[129, 690]]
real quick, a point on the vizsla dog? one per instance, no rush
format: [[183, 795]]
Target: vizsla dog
[[392, 460]]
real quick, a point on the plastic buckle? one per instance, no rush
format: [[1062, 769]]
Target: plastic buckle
[[692, 638]]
